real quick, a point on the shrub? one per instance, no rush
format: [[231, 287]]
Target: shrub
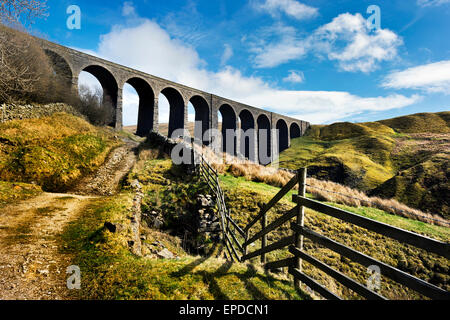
[[91, 105]]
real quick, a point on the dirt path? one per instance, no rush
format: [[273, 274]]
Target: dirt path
[[31, 266], [106, 180], [31, 263]]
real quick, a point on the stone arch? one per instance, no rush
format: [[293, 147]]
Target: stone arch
[[283, 135], [295, 131], [229, 121], [110, 91], [60, 66], [177, 111], [247, 138], [146, 113], [202, 118], [264, 140]]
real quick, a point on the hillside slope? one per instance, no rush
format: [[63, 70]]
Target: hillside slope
[[53, 152], [243, 197], [404, 158], [112, 272]]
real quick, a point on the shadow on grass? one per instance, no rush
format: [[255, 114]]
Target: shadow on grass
[[188, 269], [212, 278]]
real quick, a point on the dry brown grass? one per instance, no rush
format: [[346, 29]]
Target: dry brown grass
[[355, 198], [322, 190]]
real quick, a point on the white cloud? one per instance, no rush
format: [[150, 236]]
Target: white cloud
[[150, 48], [295, 77], [276, 54], [270, 54], [433, 77], [227, 54], [347, 40], [131, 107], [325, 106], [90, 81], [128, 9], [292, 8], [431, 3], [147, 54]]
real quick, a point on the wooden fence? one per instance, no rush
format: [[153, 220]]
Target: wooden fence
[[231, 232], [239, 239]]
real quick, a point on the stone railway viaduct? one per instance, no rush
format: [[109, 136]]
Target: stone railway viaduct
[[69, 63]]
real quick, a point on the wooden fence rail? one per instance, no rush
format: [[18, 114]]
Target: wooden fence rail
[[231, 232], [237, 241]]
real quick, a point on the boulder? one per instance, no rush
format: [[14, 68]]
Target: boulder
[[165, 254]]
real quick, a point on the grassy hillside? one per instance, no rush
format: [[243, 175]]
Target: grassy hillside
[[110, 271], [12, 192], [55, 151], [405, 158], [52, 152], [243, 197], [420, 123], [113, 273]]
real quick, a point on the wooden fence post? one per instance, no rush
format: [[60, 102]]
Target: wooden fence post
[[264, 238], [245, 241], [301, 174]]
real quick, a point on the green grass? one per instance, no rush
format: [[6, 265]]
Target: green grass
[[110, 271], [373, 157], [243, 198], [361, 161], [53, 152], [420, 123], [231, 182], [438, 232], [10, 192]]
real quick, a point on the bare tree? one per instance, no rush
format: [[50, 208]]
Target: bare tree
[[93, 107], [25, 70], [13, 12]]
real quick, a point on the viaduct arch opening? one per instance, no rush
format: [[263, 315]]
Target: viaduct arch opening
[[295, 131], [63, 76], [229, 122], [283, 135], [202, 116], [176, 110], [110, 92], [60, 67], [264, 140], [247, 138], [146, 106]]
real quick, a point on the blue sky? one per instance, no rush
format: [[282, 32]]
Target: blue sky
[[312, 59]]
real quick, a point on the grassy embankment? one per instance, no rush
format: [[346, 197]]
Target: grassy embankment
[[404, 158], [13, 192], [113, 273], [243, 197], [52, 152], [110, 271]]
